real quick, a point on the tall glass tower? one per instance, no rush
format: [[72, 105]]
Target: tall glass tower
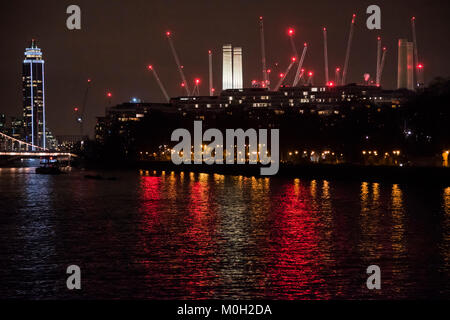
[[34, 96]]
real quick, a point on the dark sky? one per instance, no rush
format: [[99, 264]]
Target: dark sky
[[120, 38]]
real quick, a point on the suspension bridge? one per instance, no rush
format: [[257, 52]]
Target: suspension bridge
[[13, 147]]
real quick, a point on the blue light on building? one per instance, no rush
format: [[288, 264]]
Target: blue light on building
[[34, 96]]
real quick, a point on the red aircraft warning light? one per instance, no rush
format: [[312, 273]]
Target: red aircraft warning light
[[150, 67], [197, 81], [75, 109], [293, 59], [330, 84], [182, 84], [281, 75], [420, 66], [310, 73], [168, 33], [109, 94], [291, 32]]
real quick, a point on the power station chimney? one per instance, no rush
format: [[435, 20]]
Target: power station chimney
[[237, 68], [227, 67], [405, 72]]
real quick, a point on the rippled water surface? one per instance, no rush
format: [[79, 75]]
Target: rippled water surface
[[184, 235]]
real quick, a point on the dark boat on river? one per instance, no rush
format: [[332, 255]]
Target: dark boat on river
[[49, 167]]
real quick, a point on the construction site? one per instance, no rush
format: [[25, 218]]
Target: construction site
[[293, 73]]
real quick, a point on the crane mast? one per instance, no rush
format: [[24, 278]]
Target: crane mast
[[347, 54], [161, 86], [266, 82], [300, 65], [177, 61], [325, 55]]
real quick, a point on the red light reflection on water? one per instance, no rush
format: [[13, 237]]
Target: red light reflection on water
[[199, 253], [297, 254]]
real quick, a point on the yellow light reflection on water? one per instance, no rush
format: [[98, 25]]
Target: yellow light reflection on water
[[398, 216]]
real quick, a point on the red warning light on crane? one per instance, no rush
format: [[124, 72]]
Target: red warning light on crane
[[291, 31]]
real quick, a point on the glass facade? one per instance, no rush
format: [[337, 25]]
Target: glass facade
[[34, 96]]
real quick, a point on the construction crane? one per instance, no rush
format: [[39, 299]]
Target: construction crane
[[291, 33], [302, 73], [283, 75], [177, 61], [378, 60], [310, 78], [266, 82], [418, 66], [196, 90], [161, 86], [337, 76], [383, 59], [325, 55], [300, 65], [80, 113], [347, 54], [211, 88]]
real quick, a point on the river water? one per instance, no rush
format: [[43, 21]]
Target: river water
[[164, 235]]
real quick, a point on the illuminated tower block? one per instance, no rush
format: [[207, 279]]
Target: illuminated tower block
[[34, 96]]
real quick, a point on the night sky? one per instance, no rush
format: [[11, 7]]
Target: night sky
[[119, 39]]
